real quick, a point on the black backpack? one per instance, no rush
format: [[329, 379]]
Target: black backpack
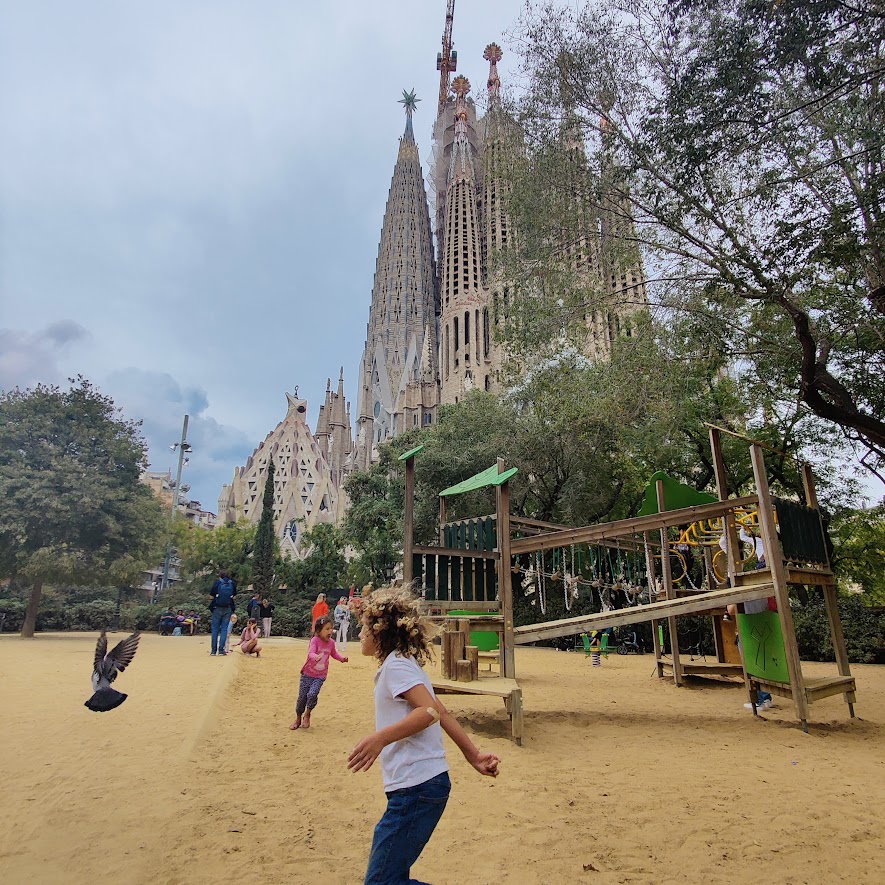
[[225, 595]]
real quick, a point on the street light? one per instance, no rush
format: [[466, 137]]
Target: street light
[[182, 447]]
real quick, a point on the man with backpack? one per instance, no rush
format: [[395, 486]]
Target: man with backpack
[[222, 605]]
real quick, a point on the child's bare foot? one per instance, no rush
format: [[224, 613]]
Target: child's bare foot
[[296, 723], [306, 721]]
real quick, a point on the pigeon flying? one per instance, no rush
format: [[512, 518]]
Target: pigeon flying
[[105, 671]]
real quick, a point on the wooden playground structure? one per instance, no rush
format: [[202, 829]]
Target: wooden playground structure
[[473, 567]]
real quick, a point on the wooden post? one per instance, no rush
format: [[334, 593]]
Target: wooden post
[[774, 556], [650, 574], [505, 583], [668, 586], [514, 708], [442, 522], [830, 598], [731, 537], [408, 522], [471, 653], [463, 671]]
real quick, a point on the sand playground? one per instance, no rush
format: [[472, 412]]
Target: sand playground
[[622, 777]]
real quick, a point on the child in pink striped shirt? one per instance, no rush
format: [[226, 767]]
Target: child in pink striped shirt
[[315, 671]]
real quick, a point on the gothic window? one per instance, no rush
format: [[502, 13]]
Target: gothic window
[[476, 333], [486, 332], [455, 333], [466, 329]]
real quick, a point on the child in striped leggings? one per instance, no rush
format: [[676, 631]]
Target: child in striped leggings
[[314, 671]]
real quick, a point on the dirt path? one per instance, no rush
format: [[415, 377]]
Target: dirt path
[[623, 778]]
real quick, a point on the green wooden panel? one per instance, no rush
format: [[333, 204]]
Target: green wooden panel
[[442, 578], [455, 578], [762, 643], [479, 579], [430, 579], [418, 569], [492, 567], [471, 534], [468, 580]]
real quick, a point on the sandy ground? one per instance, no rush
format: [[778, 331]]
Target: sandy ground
[[623, 778]]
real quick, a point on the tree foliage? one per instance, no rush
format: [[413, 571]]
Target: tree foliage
[[204, 552], [72, 507], [323, 565], [741, 142]]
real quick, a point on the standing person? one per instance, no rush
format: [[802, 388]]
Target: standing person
[[320, 609], [342, 622], [252, 604], [315, 671], [222, 604], [249, 639], [410, 721], [265, 612]]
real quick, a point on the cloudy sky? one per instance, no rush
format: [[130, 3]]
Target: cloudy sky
[[191, 198]]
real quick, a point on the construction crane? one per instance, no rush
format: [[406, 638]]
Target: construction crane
[[447, 60]]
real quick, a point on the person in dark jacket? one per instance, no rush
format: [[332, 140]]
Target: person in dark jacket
[[222, 604]]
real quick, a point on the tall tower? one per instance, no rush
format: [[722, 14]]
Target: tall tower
[[461, 292], [500, 140], [398, 372]]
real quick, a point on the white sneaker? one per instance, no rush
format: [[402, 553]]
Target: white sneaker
[[762, 705]]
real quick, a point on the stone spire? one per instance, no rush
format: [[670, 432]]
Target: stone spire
[[462, 296], [392, 395]]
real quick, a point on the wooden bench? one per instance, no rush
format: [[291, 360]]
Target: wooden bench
[[496, 686]]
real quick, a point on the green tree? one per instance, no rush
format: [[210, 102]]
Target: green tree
[[323, 565], [265, 539], [859, 552], [741, 146], [203, 551], [72, 507], [373, 523]]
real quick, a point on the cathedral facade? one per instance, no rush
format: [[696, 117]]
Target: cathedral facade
[[439, 299], [309, 471]]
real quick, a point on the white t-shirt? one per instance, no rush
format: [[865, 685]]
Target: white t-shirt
[[412, 760]]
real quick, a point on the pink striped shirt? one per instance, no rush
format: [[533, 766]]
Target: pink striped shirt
[[317, 663]]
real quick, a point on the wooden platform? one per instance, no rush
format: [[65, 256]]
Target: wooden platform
[[816, 688], [493, 686], [701, 668]]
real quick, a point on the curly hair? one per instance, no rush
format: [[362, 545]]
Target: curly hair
[[392, 614]]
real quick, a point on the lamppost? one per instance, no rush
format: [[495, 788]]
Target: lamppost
[[183, 448]]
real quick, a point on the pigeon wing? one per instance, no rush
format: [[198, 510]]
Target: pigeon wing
[[101, 649], [123, 652]]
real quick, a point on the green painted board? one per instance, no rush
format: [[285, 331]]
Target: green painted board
[[763, 646], [411, 453], [677, 495], [489, 477]]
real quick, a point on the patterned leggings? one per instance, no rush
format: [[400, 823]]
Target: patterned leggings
[[308, 693]]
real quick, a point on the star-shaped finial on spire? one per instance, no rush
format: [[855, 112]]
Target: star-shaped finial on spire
[[410, 102]]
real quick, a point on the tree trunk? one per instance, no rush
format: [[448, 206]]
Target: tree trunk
[[30, 623]]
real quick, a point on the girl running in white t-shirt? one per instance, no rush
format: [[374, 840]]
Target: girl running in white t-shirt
[[410, 721]]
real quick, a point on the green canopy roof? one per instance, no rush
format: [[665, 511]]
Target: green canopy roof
[[489, 477], [411, 453], [676, 495]]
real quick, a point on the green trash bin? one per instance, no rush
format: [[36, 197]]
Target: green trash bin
[[484, 640]]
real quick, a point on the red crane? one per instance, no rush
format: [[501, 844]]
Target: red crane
[[447, 60]]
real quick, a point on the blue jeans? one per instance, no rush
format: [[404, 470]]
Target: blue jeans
[[220, 622], [406, 827]]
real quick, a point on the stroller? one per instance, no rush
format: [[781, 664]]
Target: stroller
[[630, 645]]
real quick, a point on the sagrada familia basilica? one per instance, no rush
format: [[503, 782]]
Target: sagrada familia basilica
[[437, 301]]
